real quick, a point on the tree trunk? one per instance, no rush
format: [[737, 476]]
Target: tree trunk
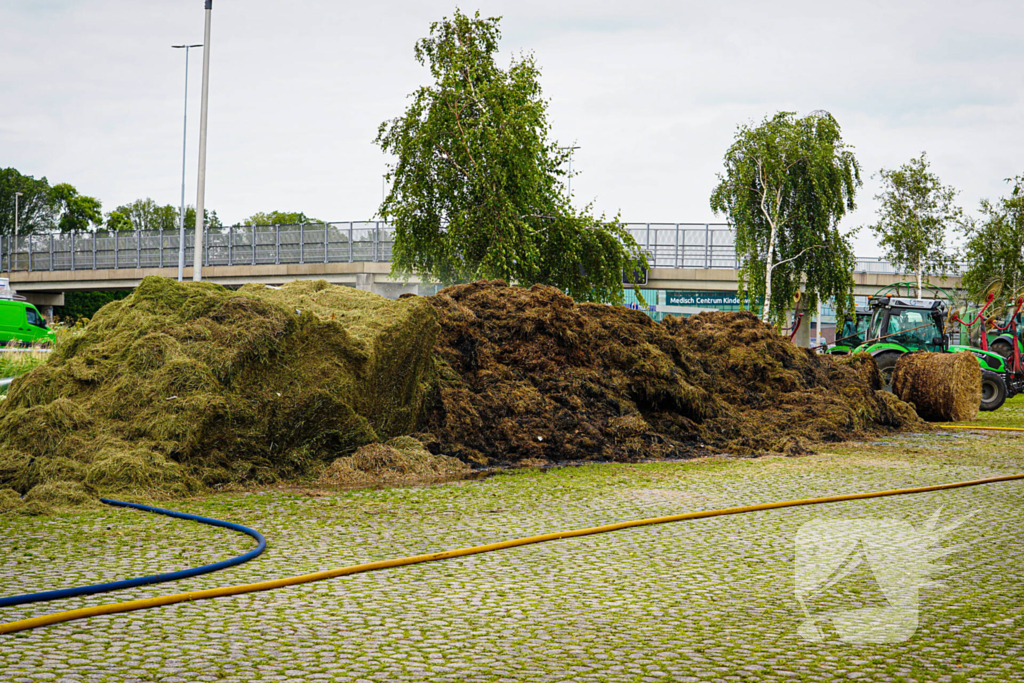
[[919, 282], [769, 266]]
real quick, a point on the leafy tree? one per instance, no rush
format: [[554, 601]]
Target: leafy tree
[[786, 185], [279, 218], [118, 221], [76, 211], [994, 248], [35, 205], [211, 221], [914, 214], [78, 305], [146, 214], [475, 185]]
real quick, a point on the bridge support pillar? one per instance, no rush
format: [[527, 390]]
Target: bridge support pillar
[[803, 335], [364, 281]]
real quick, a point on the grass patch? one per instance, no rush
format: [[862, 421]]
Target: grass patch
[[16, 361], [1010, 415]]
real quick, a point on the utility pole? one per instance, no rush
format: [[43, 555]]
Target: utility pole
[[571, 150], [14, 250], [184, 146], [197, 256], [817, 325]]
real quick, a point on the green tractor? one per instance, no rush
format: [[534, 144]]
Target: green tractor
[[1001, 340], [900, 326], [853, 333]]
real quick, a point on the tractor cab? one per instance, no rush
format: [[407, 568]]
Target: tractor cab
[[900, 326], [853, 332], [910, 324]]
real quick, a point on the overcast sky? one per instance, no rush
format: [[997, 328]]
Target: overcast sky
[[92, 94]]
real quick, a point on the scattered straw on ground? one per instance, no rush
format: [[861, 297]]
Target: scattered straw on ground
[[400, 460]]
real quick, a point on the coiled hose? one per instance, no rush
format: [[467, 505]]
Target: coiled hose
[[156, 578], [130, 606]]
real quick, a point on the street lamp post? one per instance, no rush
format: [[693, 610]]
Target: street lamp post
[[14, 249], [197, 259], [571, 150], [184, 145]]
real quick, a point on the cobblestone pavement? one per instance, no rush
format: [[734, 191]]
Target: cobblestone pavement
[[704, 600]]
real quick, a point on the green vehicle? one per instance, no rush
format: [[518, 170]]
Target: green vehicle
[[853, 333], [21, 322], [1001, 341], [899, 326]]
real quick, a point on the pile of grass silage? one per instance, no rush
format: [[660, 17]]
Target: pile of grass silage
[[186, 385]]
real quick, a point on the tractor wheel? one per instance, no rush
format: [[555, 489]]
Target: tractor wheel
[[993, 390], [886, 362], [1002, 347]]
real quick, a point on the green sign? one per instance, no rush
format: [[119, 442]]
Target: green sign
[[702, 299]]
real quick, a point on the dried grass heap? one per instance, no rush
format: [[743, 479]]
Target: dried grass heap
[[400, 460], [188, 384], [944, 387]]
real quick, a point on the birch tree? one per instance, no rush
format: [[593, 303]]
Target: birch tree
[[477, 188], [786, 185], [915, 212], [994, 246]]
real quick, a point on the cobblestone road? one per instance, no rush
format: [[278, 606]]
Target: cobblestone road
[[705, 600]]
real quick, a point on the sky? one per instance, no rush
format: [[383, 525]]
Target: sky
[[92, 94]]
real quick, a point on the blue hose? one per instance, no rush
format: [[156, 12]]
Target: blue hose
[[156, 578]]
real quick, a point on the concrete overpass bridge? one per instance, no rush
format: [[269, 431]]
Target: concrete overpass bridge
[[683, 256]]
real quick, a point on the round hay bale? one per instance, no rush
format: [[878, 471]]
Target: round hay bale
[[944, 387]]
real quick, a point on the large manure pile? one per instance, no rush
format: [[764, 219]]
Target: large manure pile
[[530, 375], [183, 385]]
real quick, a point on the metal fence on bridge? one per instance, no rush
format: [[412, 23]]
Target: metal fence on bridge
[[232, 246], [668, 245]]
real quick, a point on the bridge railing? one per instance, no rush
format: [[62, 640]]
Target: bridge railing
[[350, 241], [686, 245], [668, 245]]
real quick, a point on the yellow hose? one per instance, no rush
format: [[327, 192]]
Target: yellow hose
[[995, 429], [132, 605]]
